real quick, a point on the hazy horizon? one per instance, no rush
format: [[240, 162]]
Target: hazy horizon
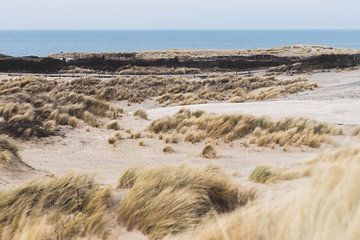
[[184, 15]]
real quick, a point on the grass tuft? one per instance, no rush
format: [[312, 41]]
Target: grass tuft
[[209, 152], [168, 200]]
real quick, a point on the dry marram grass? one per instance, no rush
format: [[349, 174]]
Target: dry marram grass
[[209, 152], [69, 207], [141, 114], [168, 200], [255, 130], [35, 106], [326, 208]]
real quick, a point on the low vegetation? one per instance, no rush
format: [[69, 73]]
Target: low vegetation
[[35, 107], [114, 125], [136, 70], [209, 152], [326, 208], [254, 130], [173, 90], [168, 200], [168, 149], [141, 114], [356, 131], [69, 207], [267, 174], [115, 138]]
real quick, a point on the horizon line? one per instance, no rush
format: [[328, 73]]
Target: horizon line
[[184, 29]]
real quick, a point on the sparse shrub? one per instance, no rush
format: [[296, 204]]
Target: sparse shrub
[[91, 119], [73, 121], [168, 149], [135, 135], [113, 125], [195, 137], [172, 139], [209, 152], [141, 114], [142, 144], [115, 139]]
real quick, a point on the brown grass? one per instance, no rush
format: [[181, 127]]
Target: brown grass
[[141, 114], [266, 174], [113, 125], [168, 149], [356, 131], [72, 206], [9, 157], [174, 90], [255, 130], [326, 208], [34, 102], [115, 138], [136, 70], [171, 199], [209, 152]]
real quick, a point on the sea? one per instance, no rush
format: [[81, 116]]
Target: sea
[[44, 43]]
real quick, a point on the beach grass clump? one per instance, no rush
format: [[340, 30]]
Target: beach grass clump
[[129, 177], [33, 103], [175, 90], [73, 206], [141, 114], [168, 149], [9, 156], [169, 200], [311, 212], [115, 138], [114, 125], [356, 131], [260, 131], [209, 152]]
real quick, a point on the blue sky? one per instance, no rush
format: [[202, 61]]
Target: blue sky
[[179, 14]]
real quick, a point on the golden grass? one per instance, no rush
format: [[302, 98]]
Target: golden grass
[[114, 125], [115, 138], [129, 177], [28, 110], [141, 114], [295, 51], [168, 200], [209, 152], [356, 131], [267, 174], [175, 90], [136, 70], [9, 157], [325, 208], [168, 149], [72, 207], [255, 130], [173, 138]]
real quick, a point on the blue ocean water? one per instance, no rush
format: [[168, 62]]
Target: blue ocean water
[[42, 43]]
